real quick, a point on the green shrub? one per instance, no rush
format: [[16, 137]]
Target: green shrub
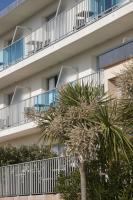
[[69, 186], [13, 155], [115, 183]]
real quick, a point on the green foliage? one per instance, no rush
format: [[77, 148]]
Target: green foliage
[[112, 138], [75, 94], [125, 81], [13, 155], [125, 84], [92, 127], [69, 186], [112, 182]]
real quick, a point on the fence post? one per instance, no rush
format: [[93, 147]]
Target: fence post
[[30, 175]]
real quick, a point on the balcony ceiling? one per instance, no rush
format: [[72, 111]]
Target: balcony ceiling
[[21, 13]]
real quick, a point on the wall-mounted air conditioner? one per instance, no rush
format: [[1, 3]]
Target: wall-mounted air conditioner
[[47, 42], [28, 110]]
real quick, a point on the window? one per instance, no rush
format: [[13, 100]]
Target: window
[[50, 97], [14, 51], [58, 149], [9, 98], [106, 4], [52, 82]]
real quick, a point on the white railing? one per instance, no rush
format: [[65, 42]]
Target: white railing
[[66, 23], [34, 178], [14, 115]]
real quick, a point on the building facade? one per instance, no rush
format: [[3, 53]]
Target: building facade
[[45, 44]]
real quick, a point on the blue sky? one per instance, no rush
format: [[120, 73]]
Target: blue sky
[[5, 3]]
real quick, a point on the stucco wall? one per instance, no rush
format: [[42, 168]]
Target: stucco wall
[[112, 72], [35, 197], [27, 139]]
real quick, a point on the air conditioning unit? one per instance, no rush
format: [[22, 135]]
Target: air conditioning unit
[[47, 42], [79, 24], [28, 110], [39, 45]]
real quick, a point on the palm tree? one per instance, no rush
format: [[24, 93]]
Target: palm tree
[[125, 84], [84, 121]]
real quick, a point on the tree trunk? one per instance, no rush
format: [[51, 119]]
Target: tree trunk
[[83, 181]]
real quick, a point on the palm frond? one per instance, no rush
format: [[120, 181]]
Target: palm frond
[[74, 94], [114, 139]]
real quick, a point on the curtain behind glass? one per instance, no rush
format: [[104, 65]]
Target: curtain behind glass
[[13, 53]]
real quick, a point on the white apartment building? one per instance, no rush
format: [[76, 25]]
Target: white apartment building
[[47, 43]]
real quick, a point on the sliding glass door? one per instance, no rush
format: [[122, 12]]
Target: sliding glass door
[[99, 6], [108, 4], [104, 5]]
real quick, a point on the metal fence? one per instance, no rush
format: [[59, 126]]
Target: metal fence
[[66, 23], [14, 115], [34, 178], [95, 79]]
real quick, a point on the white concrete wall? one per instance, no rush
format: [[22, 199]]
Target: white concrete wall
[[29, 139], [84, 63]]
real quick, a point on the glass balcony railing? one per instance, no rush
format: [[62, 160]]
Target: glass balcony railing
[[66, 23], [14, 115], [116, 55], [12, 54]]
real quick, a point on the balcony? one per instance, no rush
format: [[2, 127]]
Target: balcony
[[34, 178], [19, 11], [116, 55], [60, 27], [14, 115]]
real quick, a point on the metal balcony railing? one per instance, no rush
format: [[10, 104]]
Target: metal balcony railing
[[116, 55], [65, 24], [34, 178], [14, 115]]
